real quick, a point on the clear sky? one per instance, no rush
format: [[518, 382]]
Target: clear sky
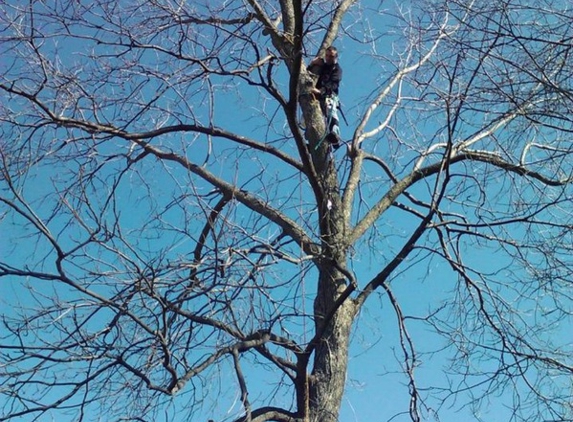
[[376, 387]]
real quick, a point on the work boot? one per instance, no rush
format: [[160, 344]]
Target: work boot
[[334, 140]]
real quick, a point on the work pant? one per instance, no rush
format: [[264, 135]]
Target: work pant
[[329, 106]]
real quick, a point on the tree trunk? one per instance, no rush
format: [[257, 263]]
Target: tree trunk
[[327, 380], [332, 324], [331, 354]]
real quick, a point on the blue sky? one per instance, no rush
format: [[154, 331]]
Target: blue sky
[[376, 387]]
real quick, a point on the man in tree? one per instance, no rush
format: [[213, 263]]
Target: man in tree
[[329, 75], [171, 249]]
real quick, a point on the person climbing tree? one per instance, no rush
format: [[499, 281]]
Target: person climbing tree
[[329, 75]]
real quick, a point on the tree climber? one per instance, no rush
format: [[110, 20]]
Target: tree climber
[[329, 75]]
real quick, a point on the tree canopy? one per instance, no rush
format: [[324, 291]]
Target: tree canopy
[[178, 242]]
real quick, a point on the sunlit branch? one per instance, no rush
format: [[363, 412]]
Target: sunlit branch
[[283, 42], [497, 161], [400, 187], [387, 200], [334, 26], [359, 134], [531, 145]]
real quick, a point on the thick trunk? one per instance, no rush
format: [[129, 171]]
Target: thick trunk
[[333, 322], [330, 365]]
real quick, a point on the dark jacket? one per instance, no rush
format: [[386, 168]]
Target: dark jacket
[[329, 77]]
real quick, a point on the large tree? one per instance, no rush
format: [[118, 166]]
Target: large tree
[[178, 242]]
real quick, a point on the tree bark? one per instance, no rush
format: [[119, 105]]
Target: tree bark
[[331, 353]]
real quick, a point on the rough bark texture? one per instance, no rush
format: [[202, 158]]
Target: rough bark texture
[[331, 355]]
